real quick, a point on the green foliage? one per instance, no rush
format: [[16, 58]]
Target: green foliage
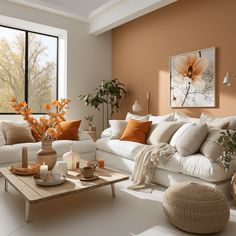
[[228, 141], [89, 120], [108, 92]]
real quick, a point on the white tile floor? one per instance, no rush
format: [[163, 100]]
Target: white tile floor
[[93, 213]]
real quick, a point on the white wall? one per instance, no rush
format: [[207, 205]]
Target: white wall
[[88, 58]]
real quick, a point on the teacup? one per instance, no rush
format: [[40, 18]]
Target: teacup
[[87, 171], [58, 176]]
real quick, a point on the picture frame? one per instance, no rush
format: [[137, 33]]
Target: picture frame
[[192, 79]]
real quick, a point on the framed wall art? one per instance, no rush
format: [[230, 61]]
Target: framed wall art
[[192, 79]]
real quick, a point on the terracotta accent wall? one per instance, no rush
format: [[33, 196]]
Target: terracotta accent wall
[[141, 50]]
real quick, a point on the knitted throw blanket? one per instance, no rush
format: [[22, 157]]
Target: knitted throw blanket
[[145, 162]]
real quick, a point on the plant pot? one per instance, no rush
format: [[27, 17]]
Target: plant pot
[[47, 154]]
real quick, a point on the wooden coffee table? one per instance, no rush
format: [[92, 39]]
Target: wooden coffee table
[[34, 194]]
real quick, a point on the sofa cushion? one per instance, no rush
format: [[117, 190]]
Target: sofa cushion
[[125, 149], [192, 140], [211, 148], [179, 116], [117, 128], [211, 120], [162, 132], [179, 133], [136, 131], [69, 130], [17, 133]]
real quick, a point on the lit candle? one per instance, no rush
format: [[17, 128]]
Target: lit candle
[[43, 170]]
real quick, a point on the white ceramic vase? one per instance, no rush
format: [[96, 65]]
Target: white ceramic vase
[[71, 158]]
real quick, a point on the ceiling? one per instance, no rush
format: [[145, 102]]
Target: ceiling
[[79, 9], [102, 15]]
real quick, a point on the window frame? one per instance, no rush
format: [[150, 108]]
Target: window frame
[[26, 87]]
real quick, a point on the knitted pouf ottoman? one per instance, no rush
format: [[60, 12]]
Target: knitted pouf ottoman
[[196, 208]]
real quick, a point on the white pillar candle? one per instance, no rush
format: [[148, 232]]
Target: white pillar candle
[[43, 170], [148, 96]]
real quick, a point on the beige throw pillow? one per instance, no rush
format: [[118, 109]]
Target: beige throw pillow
[[219, 124], [16, 133], [117, 128], [192, 139], [211, 148], [162, 132]]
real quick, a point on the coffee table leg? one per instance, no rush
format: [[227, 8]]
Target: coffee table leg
[[113, 190], [28, 211], [6, 185]]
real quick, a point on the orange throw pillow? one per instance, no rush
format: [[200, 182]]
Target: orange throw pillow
[[35, 135], [136, 131], [69, 130]]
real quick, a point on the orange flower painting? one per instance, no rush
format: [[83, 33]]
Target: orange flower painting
[[48, 126], [193, 79]]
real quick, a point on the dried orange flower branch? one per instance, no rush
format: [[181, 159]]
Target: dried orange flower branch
[[48, 126]]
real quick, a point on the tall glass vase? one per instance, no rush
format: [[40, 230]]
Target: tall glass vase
[[47, 154]]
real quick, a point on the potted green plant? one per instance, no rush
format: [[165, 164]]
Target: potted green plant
[[227, 139], [107, 95]]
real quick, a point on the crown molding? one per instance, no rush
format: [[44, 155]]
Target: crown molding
[[50, 8], [118, 12]]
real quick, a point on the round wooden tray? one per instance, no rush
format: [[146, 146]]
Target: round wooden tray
[[31, 170]]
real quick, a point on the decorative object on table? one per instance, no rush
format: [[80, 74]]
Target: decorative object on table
[[47, 128], [101, 163], [50, 181], [192, 79], [136, 106], [47, 154], [89, 120], [43, 171], [227, 139], [24, 157], [196, 208], [88, 173], [61, 166], [108, 95], [30, 170], [147, 101], [92, 164], [71, 158]]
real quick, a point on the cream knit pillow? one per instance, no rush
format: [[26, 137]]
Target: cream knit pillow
[[192, 140]]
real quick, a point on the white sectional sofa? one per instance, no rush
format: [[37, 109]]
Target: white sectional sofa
[[197, 167]]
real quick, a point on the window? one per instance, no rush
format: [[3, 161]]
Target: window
[[28, 68]]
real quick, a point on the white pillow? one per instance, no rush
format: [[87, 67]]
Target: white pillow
[[177, 135], [179, 116], [217, 122], [117, 128], [136, 117], [106, 133], [158, 119]]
